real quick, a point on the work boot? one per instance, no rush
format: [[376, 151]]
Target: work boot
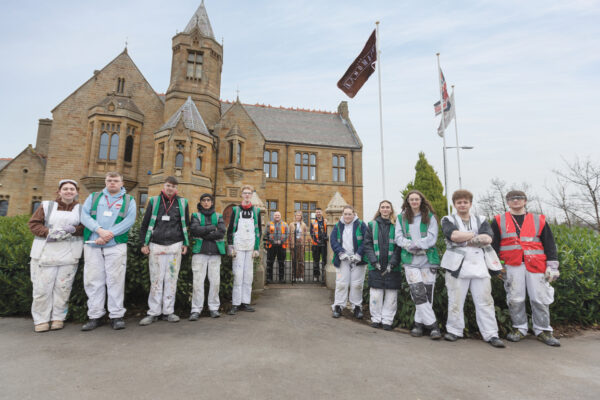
[[214, 314], [148, 319], [117, 323], [247, 308], [170, 318], [337, 312], [358, 312], [387, 327], [547, 338], [376, 325], [515, 336], [91, 324], [435, 334], [233, 310], [451, 337], [417, 331], [43, 327], [57, 325], [496, 342]]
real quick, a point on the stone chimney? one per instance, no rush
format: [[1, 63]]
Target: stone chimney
[[43, 136], [343, 110]]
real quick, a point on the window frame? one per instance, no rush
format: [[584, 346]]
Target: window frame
[[305, 166], [270, 166]]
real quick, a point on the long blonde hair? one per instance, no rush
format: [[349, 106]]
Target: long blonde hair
[[392, 215]]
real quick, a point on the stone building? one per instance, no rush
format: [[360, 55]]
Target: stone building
[[296, 159]]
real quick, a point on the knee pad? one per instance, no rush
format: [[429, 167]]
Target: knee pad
[[418, 293]]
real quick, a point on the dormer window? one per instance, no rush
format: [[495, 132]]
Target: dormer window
[[121, 85], [194, 65]]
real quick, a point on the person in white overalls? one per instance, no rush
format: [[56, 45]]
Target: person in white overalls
[[467, 259], [55, 254], [243, 238]]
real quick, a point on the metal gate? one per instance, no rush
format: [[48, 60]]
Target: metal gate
[[298, 269]]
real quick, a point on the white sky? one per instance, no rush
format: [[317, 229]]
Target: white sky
[[527, 74]]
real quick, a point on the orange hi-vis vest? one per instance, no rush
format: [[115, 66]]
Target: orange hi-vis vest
[[284, 229], [315, 227], [527, 246]]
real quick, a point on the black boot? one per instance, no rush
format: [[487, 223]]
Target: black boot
[[358, 313], [92, 324], [337, 312], [417, 331], [117, 323], [247, 308], [233, 310]]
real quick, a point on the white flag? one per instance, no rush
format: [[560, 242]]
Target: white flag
[[448, 116]]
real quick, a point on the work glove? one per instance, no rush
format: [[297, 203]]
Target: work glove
[[255, 254], [68, 229], [551, 273], [343, 256], [413, 248], [57, 234], [377, 266], [355, 258], [231, 251]]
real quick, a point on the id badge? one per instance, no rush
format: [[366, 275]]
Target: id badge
[[107, 213], [165, 218]]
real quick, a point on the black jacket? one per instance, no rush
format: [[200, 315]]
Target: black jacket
[[165, 232], [392, 280], [209, 233]]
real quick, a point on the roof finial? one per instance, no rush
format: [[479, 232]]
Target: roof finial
[[126, 38], [238, 93]]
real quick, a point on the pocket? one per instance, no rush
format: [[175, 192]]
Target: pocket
[[544, 291]]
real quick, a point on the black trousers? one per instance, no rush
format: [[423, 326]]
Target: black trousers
[[273, 252], [319, 254]]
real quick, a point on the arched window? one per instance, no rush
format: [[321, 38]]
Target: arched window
[[128, 149], [3, 208], [103, 153], [114, 146], [179, 160], [198, 163]]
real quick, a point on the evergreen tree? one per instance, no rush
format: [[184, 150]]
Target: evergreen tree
[[427, 182]]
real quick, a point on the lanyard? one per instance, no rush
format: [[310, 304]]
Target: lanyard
[[171, 202], [516, 223], [113, 203]]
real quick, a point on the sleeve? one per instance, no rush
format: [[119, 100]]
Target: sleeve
[[37, 223], [368, 245], [287, 233], [336, 246], [547, 238], [259, 222], [448, 228], [219, 233], [486, 229], [187, 214], [396, 256], [195, 230], [86, 219], [127, 222], [432, 235], [79, 230], [266, 235], [361, 249], [496, 237], [312, 233], [230, 227], [146, 222], [400, 239]]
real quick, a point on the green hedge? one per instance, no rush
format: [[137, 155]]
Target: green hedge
[[576, 295], [15, 281]]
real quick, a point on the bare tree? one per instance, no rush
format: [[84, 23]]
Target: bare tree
[[584, 175], [561, 199], [493, 202]]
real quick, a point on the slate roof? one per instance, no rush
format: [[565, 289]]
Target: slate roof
[[192, 119], [200, 20], [4, 161], [300, 126]]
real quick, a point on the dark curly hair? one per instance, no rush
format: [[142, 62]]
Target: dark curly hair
[[425, 208]]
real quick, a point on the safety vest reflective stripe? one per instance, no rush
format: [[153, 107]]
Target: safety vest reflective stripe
[[530, 239], [532, 252], [506, 248], [528, 248]]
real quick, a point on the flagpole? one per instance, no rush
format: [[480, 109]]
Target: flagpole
[[457, 146], [380, 107], [443, 134]]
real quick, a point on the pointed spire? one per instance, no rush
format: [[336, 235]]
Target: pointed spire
[[192, 119], [200, 20]]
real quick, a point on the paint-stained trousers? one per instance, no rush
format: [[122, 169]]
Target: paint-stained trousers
[[517, 284], [201, 263], [51, 290], [383, 304], [104, 271], [349, 284], [163, 264], [421, 282], [481, 292], [243, 274]]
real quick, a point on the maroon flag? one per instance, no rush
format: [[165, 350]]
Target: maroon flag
[[361, 69]]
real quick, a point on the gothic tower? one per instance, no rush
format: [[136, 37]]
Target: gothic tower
[[196, 70]]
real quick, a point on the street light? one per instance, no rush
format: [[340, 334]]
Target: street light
[[461, 147]]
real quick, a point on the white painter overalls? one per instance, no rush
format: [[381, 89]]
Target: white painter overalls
[[473, 277], [163, 265], [201, 264], [350, 278], [243, 268], [53, 267]]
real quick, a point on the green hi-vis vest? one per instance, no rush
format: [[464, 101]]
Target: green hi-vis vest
[[433, 257], [359, 240], [236, 218], [374, 226], [96, 196], [214, 220], [155, 204]]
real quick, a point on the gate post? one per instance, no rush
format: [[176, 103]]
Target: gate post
[[334, 213]]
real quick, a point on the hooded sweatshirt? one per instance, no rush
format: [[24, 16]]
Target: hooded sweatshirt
[[208, 233]]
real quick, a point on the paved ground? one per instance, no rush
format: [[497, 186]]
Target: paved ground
[[290, 348]]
